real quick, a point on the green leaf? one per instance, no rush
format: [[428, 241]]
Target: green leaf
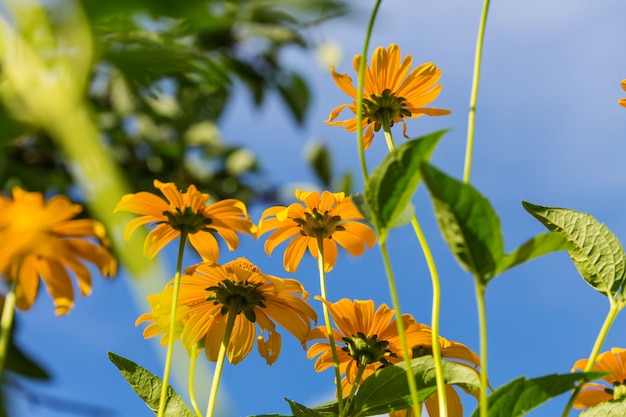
[[300, 410], [392, 184], [522, 395], [387, 390], [468, 223], [295, 92], [537, 246], [596, 252], [319, 159], [612, 408], [148, 387]]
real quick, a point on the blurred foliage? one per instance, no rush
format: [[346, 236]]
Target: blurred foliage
[[162, 76]]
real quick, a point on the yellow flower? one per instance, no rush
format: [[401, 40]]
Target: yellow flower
[[159, 316], [372, 336], [594, 393], [622, 101], [209, 293], [40, 239], [329, 218], [390, 92], [187, 212]]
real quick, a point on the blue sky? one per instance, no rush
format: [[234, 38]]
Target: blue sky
[[548, 131]]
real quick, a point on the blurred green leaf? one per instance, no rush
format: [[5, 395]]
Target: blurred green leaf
[[468, 223], [596, 252], [319, 159], [295, 92]]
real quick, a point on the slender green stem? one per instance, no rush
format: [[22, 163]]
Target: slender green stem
[[606, 326], [482, 323], [357, 381], [6, 322], [329, 329], [474, 94], [170, 341], [192, 372], [359, 95], [219, 364], [406, 354], [432, 268]]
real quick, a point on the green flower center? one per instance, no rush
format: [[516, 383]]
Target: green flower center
[[366, 350], [384, 108], [619, 390], [237, 298], [420, 350], [319, 225], [188, 221]]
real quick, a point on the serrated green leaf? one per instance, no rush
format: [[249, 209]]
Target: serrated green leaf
[[391, 186], [468, 223], [521, 395], [387, 390], [148, 387], [300, 410], [597, 253], [537, 246], [612, 408]]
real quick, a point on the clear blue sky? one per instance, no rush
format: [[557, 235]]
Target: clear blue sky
[[548, 131]]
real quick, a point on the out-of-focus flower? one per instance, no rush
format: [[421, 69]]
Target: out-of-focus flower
[[210, 293], [622, 101], [329, 219], [390, 92], [41, 239], [594, 393], [186, 212]]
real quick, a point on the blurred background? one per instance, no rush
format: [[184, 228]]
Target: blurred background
[[231, 97]]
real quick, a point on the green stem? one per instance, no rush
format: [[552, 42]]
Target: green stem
[[432, 268], [417, 407], [219, 364], [482, 323], [170, 341], [357, 381], [192, 370], [329, 329], [606, 326], [474, 93], [359, 95], [6, 322]]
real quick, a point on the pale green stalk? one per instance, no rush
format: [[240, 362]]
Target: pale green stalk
[[192, 373], [329, 329], [172, 329], [357, 382], [406, 354], [219, 364], [6, 323], [474, 93], [482, 323], [616, 307], [432, 268]]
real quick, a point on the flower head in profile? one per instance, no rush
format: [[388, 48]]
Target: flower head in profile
[[622, 101], [594, 393], [42, 240], [391, 92], [211, 293], [330, 219], [186, 212]]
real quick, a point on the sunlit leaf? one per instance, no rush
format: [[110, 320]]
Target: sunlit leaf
[[539, 245], [468, 223], [596, 252], [612, 408], [300, 410]]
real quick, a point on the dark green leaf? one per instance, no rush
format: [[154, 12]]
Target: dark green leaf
[[522, 395], [319, 159], [468, 223], [148, 387], [596, 252], [537, 246], [387, 390], [392, 184], [610, 408], [295, 92], [300, 410]]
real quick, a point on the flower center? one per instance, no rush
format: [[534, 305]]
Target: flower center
[[366, 350], [384, 108], [620, 390], [319, 225], [421, 350], [188, 221], [237, 297]]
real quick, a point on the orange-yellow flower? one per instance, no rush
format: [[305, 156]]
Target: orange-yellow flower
[[622, 101], [41, 239], [329, 219], [594, 393], [209, 293], [186, 212], [390, 92]]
